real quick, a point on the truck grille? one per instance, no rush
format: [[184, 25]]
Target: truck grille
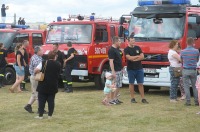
[[80, 59], [156, 57]]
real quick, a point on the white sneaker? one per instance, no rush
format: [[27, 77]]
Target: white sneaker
[[49, 117], [38, 117], [198, 113], [173, 101]]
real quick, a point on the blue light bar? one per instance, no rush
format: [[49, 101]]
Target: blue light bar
[[162, 2], [20, 26], [2, 26]]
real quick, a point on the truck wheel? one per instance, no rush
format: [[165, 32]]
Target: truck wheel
[[146, 89], [99, 80], [10, 76]]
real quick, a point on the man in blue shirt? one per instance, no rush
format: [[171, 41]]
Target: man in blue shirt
[[189, 58]]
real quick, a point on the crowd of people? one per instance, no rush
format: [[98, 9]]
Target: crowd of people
[[45, 91], [134, 56], [42, 91], [187, 59]]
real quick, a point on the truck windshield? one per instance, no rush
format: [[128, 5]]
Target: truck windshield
[[147, 29], [73, 33], [7, 38]]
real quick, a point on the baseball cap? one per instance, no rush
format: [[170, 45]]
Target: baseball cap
[[108, 74]]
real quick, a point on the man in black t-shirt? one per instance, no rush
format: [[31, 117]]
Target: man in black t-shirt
[[60, 58], [134, 55], [115, 61], [69, 64], [3, 63], [60, 55]]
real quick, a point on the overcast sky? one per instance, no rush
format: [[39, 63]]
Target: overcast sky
[[48, 10]]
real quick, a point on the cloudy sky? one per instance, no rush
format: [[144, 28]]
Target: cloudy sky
[[48, 10]]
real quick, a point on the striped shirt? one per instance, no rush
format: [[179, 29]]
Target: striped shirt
[[34, 62], [190, 57]]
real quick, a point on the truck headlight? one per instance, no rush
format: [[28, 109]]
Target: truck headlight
[[125, 73]]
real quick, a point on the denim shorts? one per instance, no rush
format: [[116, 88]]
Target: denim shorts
[[18, 71], [137, 75]]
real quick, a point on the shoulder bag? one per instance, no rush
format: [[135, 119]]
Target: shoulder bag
[[177, 71], [40, 76]]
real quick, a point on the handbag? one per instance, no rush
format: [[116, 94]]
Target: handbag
[[177, 71], [40, 76]]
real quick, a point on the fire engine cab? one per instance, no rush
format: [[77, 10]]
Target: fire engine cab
[[155, 23], [91, 39], [10, 35]]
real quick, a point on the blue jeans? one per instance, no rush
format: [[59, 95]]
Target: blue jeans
[[174, 84], [190, 76]]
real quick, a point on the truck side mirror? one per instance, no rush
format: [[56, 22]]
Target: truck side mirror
[[120, 31], [121, 20], [198, 20]]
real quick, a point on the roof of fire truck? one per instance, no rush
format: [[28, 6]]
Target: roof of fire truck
[[164, 6], [16, 28], [77, 19]]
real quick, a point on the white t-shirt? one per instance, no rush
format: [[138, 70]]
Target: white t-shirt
[[173, 61], [39, 66]]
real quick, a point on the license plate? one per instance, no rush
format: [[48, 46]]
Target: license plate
[[149, 70]]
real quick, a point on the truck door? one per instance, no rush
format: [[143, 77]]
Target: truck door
[[194, 28], [101, 45], [18, 39], [37, 40]]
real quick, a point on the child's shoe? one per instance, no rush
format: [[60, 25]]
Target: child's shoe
[[198, 113]]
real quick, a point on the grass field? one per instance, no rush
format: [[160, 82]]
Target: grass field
[[82, 111]]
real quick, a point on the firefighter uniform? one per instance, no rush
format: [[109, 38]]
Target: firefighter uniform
[[60, 58], [3, 63], [68, 69]]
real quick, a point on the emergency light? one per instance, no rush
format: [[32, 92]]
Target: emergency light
[[20, 26], [2, 26], [162, 2]]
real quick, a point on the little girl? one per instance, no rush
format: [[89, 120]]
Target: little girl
[[198, 86], [109, 87]]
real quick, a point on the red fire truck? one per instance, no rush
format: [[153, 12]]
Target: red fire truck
[[155, 23], [15, 34], [91, 39]]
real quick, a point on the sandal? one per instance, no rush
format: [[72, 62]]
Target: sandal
[[11, 90], [20, 91]]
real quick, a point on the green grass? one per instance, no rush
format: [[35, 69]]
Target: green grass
[[82, 111]]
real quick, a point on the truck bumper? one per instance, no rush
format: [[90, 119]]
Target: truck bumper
[[161, 79], [79, 72]]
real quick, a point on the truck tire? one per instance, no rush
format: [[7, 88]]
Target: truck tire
[[99, 80], [10, 76], [146, 89]]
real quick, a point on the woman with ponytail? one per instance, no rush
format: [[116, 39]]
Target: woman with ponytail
[[19, 68]]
